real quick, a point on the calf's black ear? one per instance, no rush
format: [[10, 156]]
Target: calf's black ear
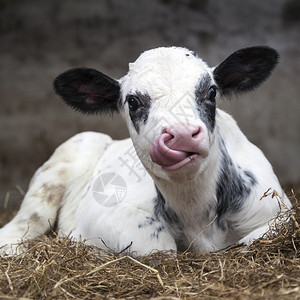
[[88, 90], [245, 69]]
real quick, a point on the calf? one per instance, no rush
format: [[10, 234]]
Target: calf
[[187, 178]]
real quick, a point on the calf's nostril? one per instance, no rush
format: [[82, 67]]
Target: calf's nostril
[[196, 132]]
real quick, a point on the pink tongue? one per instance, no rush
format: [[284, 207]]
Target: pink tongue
[[164, 156]]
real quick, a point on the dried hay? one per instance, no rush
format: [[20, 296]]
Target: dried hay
[[61, 268]]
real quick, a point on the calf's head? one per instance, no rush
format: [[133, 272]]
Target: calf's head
[[168, 100]]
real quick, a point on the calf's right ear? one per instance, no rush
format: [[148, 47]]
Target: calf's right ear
[[88, 90]]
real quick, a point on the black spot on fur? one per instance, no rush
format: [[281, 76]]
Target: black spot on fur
[[162, 212], [157, 226], [155, 234], [233, 187], [141, 114], [148, 222]]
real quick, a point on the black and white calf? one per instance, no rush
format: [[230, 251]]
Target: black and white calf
[[186, 165]]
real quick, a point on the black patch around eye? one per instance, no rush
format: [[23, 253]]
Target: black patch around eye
[[139, 105], [207, 113], [205, 100]]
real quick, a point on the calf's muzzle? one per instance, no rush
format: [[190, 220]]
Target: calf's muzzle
[[178, 145]]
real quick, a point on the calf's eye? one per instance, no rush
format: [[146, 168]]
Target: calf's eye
[[133, 103], [212, 94]]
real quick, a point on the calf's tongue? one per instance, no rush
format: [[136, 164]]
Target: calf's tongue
[[161, 154]]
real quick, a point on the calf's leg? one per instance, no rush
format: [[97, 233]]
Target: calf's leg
[[48, 189]]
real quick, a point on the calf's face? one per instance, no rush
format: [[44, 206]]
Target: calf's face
[[168, 100]]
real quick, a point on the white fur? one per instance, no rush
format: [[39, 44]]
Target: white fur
[[65, 186]]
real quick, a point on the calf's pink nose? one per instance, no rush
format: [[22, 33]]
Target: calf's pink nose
[[184, 137], [176, 144]]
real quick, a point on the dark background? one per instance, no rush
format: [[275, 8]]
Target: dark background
[[40, 39]]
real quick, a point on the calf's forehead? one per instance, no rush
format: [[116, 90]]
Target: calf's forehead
[[164, 72]]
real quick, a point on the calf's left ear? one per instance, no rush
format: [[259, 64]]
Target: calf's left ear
[[88, 90], [245, 69]]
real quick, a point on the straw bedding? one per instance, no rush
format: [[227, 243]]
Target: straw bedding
[[64, 269]]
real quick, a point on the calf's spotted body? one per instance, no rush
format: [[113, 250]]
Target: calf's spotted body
[[186, 164]]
